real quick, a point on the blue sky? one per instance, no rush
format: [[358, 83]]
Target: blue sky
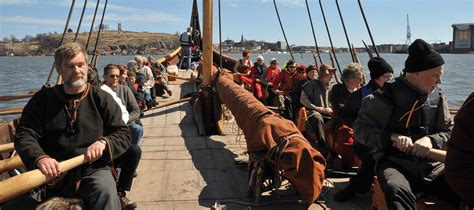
[[255, 19]]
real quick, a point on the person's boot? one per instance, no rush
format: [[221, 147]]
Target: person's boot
[[345, 194], [125, 202]]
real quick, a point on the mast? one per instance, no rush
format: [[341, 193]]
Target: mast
[[207, 42]]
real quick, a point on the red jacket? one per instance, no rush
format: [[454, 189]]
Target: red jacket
[[272, 73], [283, 82]]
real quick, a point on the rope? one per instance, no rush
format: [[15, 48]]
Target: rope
[[80, 20], [368, 28], [345, 31], [314, 35], [92, 24], [283, 30], [95, 54], [330, 39], [48, 80]]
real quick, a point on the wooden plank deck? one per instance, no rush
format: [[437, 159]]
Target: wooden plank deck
[[181, 170]]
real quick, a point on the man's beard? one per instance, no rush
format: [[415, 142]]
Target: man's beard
[[76, 84]]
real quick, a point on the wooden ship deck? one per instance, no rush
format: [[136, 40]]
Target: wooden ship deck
[[181, 170]]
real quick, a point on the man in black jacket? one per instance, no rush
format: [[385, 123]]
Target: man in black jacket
[[72, 119], [403, 120]]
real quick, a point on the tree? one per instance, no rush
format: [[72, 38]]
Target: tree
[[27, 38], [14, 39], [6, 40]]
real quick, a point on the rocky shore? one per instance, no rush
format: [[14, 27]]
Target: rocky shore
[[110, 43]]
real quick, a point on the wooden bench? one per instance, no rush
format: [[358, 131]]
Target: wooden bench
[[378, 200]]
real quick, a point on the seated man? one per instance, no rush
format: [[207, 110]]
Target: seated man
[[128, 162], [403, 120], [71, 119], [315, 98], [380, 72]]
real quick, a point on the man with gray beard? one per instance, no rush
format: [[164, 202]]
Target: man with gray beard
[[71, 119]]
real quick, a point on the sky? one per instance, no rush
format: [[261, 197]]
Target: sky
[[255, 19]]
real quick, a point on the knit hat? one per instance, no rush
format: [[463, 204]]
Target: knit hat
[[378, 67], [422, 57], [259, 57]]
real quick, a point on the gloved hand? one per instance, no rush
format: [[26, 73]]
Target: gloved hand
[[421, 147], [402, 143]]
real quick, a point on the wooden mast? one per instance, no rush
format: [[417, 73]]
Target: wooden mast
[[207, 42]]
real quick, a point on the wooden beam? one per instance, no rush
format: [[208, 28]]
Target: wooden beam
[[207, 42]]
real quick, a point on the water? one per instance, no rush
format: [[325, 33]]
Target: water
[[23, 74]]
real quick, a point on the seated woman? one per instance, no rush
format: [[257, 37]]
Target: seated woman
[[314, 98], [258, 74], [242, 68], [351, 81]]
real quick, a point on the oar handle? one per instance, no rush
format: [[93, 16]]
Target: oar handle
[[7, 147], [17, 185]]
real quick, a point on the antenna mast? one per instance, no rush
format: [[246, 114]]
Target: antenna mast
[[408, 40]]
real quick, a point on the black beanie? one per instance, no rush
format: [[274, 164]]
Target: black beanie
[[378, 66], [422, 57]]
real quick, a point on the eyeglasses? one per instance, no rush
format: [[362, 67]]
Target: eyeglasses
[[301, 72], [114, 75], [292, 67]]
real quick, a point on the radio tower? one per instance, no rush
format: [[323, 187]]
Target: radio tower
[[408, 40]]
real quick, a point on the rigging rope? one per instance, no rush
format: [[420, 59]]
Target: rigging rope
[[330, 40], [80, 20], [95, 53], [47, 84], [345, 32], [283, 30], [314, 35], [92, 24], [368, 28]]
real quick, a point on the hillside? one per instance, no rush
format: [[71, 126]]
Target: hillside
[[110, 43]]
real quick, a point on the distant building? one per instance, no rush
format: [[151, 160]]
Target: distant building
[[281, 46], [119, 27], [463, 37]]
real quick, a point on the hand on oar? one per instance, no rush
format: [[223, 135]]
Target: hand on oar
[[49, 166], [95, 151]]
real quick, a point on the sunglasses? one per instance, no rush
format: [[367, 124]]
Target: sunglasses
[[292, 67], [114, 75]]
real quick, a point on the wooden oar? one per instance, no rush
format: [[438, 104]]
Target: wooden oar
[[10, 163], [16, 110], [17, 185], [186, 79], [437, 155], [15, 97], [6, 147], [169, 103], [368, 50]]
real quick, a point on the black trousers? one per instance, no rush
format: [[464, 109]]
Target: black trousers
[[400, 187], [98, 191], [128, 163], [365, 176]]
